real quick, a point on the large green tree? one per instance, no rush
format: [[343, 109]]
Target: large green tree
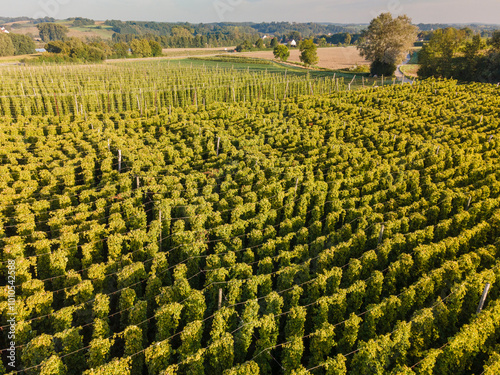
[[281, 52], [156, 49], [245, 46], [6, 46], [347, 39], [436, 57], [308, 52], [52, 31], [141, 48], [386, 42], [23, 44], [494, 42]]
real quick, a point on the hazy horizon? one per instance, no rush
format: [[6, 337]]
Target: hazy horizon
[[201, 11]]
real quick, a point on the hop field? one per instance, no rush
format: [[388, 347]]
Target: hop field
[[265, 225]]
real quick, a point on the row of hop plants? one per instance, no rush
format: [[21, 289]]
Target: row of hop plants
[[276, 251]]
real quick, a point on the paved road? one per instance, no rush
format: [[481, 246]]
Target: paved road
[[399, 74]]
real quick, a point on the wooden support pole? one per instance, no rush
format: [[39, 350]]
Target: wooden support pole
[[220, 298], [468, 202], [483, 298], [119, 160], [218, 143], [109, 149], [137, 181], [159, 218], [381, 234]]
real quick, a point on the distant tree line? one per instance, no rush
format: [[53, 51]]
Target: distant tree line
[[75, 50], [461, 54], [337, 39], [52, 31], [182, 39], [484, 30], [79, 22], [275, 28], [16, 44]]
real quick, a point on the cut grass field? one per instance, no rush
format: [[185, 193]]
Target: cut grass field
[[17, 59], [280, 68], [410, 70]]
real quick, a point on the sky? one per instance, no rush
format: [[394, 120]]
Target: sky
[[195, 11]]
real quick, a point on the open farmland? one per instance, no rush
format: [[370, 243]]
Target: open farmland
[[99, 30], [169, 218], [330, 58]]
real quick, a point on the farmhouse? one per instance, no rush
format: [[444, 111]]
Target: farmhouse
[[4, 30]]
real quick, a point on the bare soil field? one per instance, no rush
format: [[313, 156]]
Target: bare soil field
[[330, 58]]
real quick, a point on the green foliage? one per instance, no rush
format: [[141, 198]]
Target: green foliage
[[292, 355], [220, 354], [436, 57], [167, 319], [36, 351], [23, 44], [133, 344], [381, 68], [308, 52], [120, 50], [272, 251], [141, 48], [336, 365], [245, 46], [80, 21], [156, 49], [53, 366], [247, 368], [158, 357], [118, 366], [386, 42], [281, 52], [6, 45], [455, 53], [71, 342], [99, 352], [76, 50], [52, 31], [347, 39]]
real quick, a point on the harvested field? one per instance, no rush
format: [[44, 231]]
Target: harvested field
[[331, 57]]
